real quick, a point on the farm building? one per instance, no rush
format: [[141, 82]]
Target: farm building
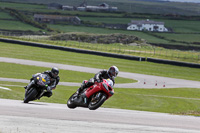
[[69, 8], [81, 8], [147, 25], [56, 18], [102, 7]]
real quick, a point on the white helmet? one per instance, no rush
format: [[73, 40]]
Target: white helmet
[[113, 71]]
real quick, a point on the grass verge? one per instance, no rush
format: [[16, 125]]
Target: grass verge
[[176, 101], [18, 71], [143, 50], [70, 58]]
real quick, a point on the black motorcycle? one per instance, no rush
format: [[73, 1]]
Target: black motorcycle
[[37, 90]]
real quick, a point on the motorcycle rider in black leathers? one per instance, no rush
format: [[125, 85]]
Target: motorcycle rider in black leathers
[[111, 73], [54, 80]]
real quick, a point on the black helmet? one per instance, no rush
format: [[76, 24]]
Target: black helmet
[[113, 71], [54, 72]]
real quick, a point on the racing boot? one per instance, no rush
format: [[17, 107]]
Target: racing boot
[[80, 89], [46, 94]]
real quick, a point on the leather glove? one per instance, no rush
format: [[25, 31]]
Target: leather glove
[[98, 80]]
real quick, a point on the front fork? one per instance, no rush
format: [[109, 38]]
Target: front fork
[[96, 97], [41, 94]]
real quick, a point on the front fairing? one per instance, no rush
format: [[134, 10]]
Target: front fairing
[[105, 86], [43, 80], [108, 84]]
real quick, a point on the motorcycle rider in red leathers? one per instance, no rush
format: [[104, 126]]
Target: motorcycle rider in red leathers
[[111, 73], [54, 80]]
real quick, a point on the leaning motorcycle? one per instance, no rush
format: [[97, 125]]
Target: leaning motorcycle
[[92, 97], [38, 89]]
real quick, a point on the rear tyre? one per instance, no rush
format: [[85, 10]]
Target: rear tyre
[[70, 103], [30, 95], [95, 104]]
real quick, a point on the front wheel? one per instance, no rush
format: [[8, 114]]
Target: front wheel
[[97, 102], [30, 95], [70, 102]]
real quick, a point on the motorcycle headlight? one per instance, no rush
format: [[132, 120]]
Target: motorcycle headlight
[[43, 80]]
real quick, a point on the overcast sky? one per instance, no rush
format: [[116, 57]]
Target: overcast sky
[[195, 1]]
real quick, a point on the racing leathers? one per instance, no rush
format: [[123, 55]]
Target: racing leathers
[[51, 86], [97, 77]]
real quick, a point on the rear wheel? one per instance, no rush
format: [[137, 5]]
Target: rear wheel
[[70, 102], [30, 95], [97, 100]]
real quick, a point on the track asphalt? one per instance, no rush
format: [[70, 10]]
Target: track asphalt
[[144, 81], [38, 117]]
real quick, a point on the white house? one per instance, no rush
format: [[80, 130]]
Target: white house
[[147, 25]]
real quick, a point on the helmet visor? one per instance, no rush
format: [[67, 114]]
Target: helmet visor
[[113, 73], [54, 75]]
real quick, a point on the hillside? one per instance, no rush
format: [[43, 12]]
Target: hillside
[[16, 19], [136, 6]]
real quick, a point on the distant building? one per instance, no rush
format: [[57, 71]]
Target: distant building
[[147, 25], [69, 8], [56, 18], [115, 26], [100, 8], [84, 7], [54, 6], [81, 8]]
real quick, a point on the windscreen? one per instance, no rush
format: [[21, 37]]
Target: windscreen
[[110, 82], [46, 78]]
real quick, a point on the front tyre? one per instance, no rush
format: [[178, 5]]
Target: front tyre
[[30, 95], [70, 102], [96, 103]]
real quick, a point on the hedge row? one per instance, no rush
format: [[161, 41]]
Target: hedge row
[[25, 19]]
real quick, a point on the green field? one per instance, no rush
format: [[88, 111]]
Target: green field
[[108, 20], [40, 8], [187, 27], [57, 56], [70, 28], [22, 6], [132, 6], [4, 15], [141, 51], [16, 25], [8, 22], [189, 38], [188, 31], [182, 26], [147, 36]]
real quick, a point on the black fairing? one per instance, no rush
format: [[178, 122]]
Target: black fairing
[[81, 100]]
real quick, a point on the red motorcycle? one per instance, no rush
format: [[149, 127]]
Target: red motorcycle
[[92, 97]]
